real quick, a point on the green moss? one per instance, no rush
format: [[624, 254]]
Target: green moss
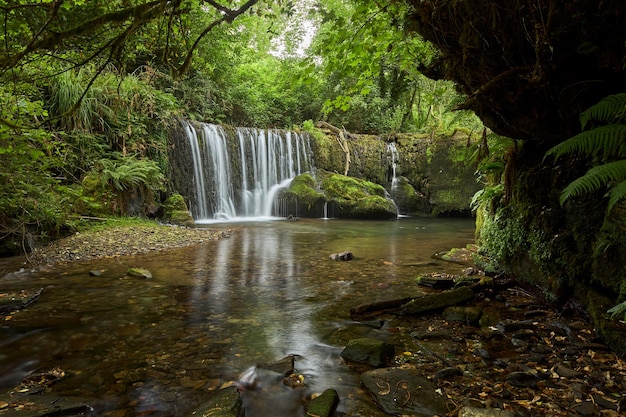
[[304, 187], [175, 202], [341, 187]]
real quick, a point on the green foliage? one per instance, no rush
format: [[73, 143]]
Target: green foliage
[[605, 143]]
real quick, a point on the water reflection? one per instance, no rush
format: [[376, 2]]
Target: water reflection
[[213, 310]]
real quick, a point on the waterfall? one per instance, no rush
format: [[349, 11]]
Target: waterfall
[[240, 175], [393, 151]]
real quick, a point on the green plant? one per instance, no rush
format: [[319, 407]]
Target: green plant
[[605, 142]]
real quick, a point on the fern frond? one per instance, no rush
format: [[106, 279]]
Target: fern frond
[[618, 311], [609, 140], [611, 109], [616, 194], [595, 178]]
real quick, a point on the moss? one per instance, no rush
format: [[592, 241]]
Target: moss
[[175, 202]]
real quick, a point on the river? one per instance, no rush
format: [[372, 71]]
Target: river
[[158, 347]]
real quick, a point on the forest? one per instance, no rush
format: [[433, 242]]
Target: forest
[[90, 89]]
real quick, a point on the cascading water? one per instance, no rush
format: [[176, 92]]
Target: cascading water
[[393, 151], [240, 176]]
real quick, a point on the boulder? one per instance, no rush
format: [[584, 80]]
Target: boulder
[[176, 212], [369, 351]]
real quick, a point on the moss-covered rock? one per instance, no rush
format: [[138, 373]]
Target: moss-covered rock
[[355, 198], [175, 211]]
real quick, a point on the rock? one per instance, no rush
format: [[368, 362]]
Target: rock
[[139, 273], [176, 212], [264, 393], [437, 301], [369, 351], [484, 412], [323, 405], [224, 403], [586, 408], [508, 326], [42, 404], [97, 272], [462, 314], [436, 281], [343, 256], [402, 391], [522, 379], [565, 372]]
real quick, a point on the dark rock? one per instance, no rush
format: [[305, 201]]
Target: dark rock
[[603, 402], [434, 335], [369, 351], [284, 366], [522, 379], [483, 353], [402, 391], [323, 405], [97, 272], [439, 282], [224, 403], [447, 373], [437, 301], [586, 408], [343, 256], [139, 273], [565, 372], [264, 392]]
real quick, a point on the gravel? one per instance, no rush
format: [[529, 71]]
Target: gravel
[[119, 241]]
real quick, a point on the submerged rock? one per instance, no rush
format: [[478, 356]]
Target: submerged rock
[[402, 391], [139, 273], [224, 403]]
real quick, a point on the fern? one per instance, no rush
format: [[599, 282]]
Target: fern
[[608, 110], [605, 143], [596, 178]]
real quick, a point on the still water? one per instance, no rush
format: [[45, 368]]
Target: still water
[[158, 347]]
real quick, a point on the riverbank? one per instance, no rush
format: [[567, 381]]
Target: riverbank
[[126, 238]]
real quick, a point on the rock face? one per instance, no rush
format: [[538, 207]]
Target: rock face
[[402, 391]]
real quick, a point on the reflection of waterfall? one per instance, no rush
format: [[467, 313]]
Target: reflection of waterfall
[[393, 152], [239, 175]]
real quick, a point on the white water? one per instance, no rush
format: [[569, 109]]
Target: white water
[[393, 151], [239, 177]]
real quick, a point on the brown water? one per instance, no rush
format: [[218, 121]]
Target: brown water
[[160, 346]]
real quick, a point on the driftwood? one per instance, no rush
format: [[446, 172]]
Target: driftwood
[[341, 139]]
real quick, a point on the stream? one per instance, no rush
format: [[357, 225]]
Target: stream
[[158, 347]]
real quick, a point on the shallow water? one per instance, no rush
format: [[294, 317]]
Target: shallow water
[[212, 310]]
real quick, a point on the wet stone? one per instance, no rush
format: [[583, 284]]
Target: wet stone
[[462, 314], [224, 403], [447, 373], [323, 405], [139, 273], [401, 391], [586, 408]]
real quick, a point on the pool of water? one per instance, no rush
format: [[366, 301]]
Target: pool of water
[[160, 346]]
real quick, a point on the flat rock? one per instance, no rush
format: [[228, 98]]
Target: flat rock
[[402, 391], [323, 405]]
